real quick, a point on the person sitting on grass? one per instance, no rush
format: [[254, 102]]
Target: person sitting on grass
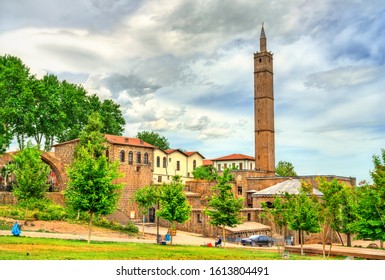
[[16, 230], [218, 243]]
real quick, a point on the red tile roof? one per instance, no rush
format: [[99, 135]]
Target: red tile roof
[[122, 140], [234, 157], [207, 162], [115, 139]]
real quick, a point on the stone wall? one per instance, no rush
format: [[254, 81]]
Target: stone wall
[[135, 175]]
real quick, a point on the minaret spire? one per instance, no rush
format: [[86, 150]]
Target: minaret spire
[[264, 108], [262, 40]]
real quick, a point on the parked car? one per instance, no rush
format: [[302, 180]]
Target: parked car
[[257, 240]]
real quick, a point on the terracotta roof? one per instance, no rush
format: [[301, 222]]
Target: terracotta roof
[[122, 140], [234, 157], [173, 151], [207, 162], [289, 186], [189, 154]]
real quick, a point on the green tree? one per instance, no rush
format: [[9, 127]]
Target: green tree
[[47, 116], [303, 212], [173, 203], [223, 207], [205, 173], [91, 186], [154, 139], [285, 169], [339, 207], [111, 116], [371, 203], [16, 97], [31, 175], [146, 197]]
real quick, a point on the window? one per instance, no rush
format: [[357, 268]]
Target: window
[[233, 165], [130, 158], [249, 217], [199, 218], [177, 165], [164, 162], [194, 164], [219, 167], [239, 190], [138, 157], [225, 166], [251, 166], [157, 161], [240, 166], [159, 179], [122, 156], [145, 158]]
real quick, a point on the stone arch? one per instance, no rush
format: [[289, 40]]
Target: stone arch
[[55, 165]]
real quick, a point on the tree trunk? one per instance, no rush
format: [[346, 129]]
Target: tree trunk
[[340, 237], [301, 241], [172, 227], [224, 236], [26, 213], [90, 227], [143, 225], [349, 240]]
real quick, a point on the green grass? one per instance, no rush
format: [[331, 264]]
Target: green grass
[[28, 248]]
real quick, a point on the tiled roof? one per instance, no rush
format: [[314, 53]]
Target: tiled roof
[[189, 154], [122, 140], [207, 162], [289, 186], [234, 157]]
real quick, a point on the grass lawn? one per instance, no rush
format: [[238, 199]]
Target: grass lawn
[[28, 248]]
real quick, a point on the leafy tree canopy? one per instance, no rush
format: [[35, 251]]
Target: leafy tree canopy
[[285, 169], [173, 202], [205, 173], [31, 175], [47, 109], [154, 139], [91, 186]]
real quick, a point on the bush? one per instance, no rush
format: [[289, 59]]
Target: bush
[[130, 228]]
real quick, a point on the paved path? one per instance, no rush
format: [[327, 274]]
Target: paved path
[[182, 237], [338, 250]]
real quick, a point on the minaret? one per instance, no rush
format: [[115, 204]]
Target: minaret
[[264, 108]]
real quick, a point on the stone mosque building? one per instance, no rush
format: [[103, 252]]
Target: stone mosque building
[[143, 164]]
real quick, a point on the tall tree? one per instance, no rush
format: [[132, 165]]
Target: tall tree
[[154, 139], [205, 173], [111, 116], [339, 207], [16, 97], [173, 203], [371, 203], [303, 211], [91, 186], [146, 197], [223, 207], [31, 175], [285, 169]]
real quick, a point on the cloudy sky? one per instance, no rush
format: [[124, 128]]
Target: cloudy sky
[[184, 68]]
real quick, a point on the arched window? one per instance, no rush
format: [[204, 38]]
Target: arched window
[[145, 158], [138, 157], [122, 156], [194, 164], [130, 158], [164, 162], [157, 161]]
